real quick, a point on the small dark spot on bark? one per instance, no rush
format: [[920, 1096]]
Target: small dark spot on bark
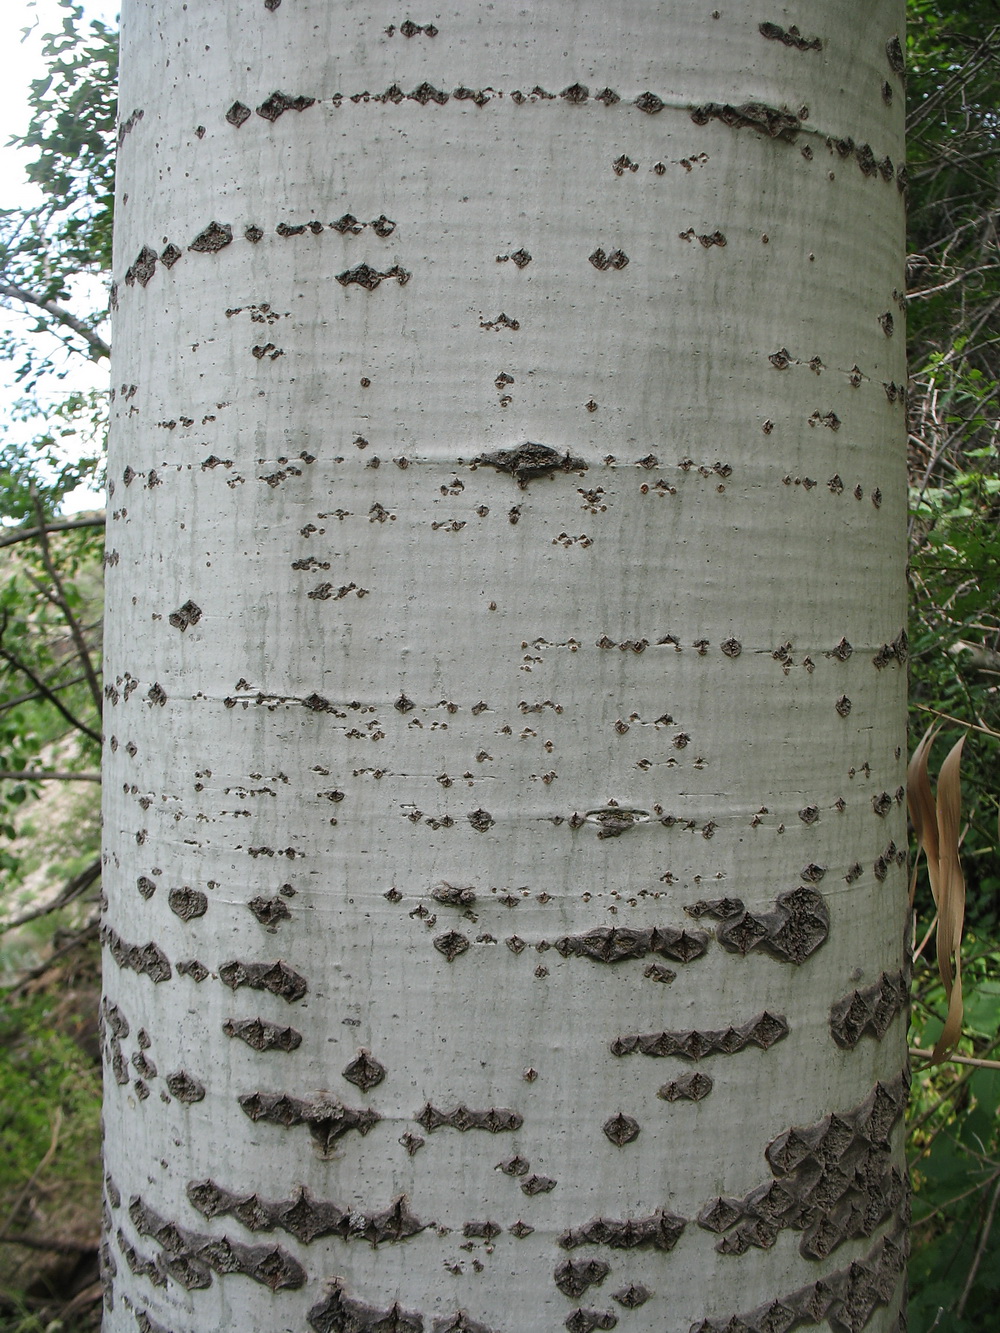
[[573, 1277], [364, 1071], [689, 1087], [661, 1232], [269, 911], [532, 1185], [894, 54], [187, 903], [650, 103], [617, 259], [791, 37], [262, 1035], [621, 1129], [216, 236], [632, 1296], [277, 978], [188, 614], [451, 945], [185, 1087], [775, 123]]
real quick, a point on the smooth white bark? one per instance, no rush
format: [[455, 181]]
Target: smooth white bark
[[349, 665]]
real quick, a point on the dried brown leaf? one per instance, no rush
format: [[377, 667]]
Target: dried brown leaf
[[923, 812]]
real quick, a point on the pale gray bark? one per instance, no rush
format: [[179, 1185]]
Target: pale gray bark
[[444, 775]]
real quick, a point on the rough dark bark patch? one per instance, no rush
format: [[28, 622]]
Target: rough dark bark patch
[[769, 120], [496, 1120], [659, 1232], [532, 1185], [791, 37], [188, 614], [762, 1031], [148, 959], [530, 461], [798, 926], [187, 903], [341, 1314], [269, 911], [582, 1321], [364, 1071], [615, 944], [451, 945], [870, 1010], [277, 978], [574, 1277], [621, 1129], [191, 1258], [454, 895], [845, 1299], [278, 103], [185, 1087], [304, 1217], [369, 278], [216, 236], [833, 1180], [327, 1118], [632, 1296], [690, 1088], [262, 1035]]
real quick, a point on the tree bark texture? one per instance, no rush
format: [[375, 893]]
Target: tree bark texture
[[505, 842]]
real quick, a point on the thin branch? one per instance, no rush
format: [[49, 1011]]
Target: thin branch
[[45, 692], [26, 1188], [41, 775], [26, 534], [986, 731], [63, 602], [955, 1088], [72, 889], [59, 313], [44, 1243], [957, 1059], [34, 973], [30, 698], [980, 1250]]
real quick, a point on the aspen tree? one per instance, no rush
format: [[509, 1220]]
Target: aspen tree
[[505, 669]]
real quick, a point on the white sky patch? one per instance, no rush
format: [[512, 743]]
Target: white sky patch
[[22, 25]]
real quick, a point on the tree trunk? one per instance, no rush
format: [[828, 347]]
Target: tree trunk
[[505, 843]]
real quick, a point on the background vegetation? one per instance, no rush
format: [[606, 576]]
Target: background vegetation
[[54, 262]]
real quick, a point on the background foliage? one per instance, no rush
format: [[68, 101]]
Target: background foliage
[[54, 261]]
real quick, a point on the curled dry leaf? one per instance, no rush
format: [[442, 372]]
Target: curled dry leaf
[[936, 823]]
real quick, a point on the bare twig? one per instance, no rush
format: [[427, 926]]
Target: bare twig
[[78, 885], [64, 606], [64, 525], [12, 660], [46, 1243], [89, 929], [956, 1059], [39, 775], [32, 696], [947, 717], [50, 1152], [63, 316], [980, 1250]]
